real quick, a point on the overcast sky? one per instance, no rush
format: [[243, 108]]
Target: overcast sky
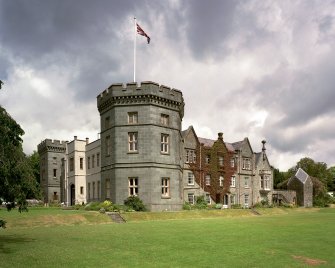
[[256, 69]]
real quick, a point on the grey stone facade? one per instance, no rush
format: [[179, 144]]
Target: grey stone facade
[[134, 120], [51, 154], [302, 184]]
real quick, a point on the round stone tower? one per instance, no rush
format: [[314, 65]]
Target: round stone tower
[[141, 144]]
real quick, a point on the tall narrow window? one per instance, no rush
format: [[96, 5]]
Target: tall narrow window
[[133, 186], [232, 162], [221, 161], [208, 159], [262, 181], [246, 200], [165, 187], [232, 181], [93, 192], [71, 165], [98, 159], [190, 198], [165, 143], [93, 160], [221, 180], [246, 182], [108, 189], [208, 180], [190, 156], [98, 189], [132, 118], [108, 145], [190, 178], [81, 163], [88, 162], [165, 119], [246, 163], [132, 142], [81, 190], [55, 173], [107, 122], [88, 191]]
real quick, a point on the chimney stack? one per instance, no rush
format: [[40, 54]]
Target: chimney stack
[[220, 134], [87, 140], [75, 138]]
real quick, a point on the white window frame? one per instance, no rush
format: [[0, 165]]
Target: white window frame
[[165, 143], [207, 159], [190, 178], [133, 186], [246, 200], [165, 187], [133, 118], [232, 162], [208, 180], [221, 181], [190, 156], [221, 161], [132, 142], [246, 163], [233, 181], [246, 182], [191, 198]]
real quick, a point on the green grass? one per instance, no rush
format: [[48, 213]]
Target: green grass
[[230, 238]]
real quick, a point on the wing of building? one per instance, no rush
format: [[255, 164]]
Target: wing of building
[[143, 151]]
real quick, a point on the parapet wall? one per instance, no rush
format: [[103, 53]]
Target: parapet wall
[[52, 145], [143, 90]]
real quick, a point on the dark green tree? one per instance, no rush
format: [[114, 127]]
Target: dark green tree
[[17, 179], [34, 162], [278, 177]]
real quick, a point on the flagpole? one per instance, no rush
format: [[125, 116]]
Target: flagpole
[[134, 49]]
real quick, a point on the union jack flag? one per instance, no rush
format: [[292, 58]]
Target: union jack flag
[[141, 32]]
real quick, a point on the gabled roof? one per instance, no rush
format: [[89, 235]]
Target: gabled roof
[[258, 157], [301, 175], [237, 145], [206, 142], [184, 133]]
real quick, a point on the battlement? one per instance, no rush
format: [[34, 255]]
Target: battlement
[[144, 89], [52, 145]]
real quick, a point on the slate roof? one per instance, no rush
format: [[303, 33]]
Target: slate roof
[[301, 175], [210, 143], [237, 145]]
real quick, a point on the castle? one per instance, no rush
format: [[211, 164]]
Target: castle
[[143, 151]]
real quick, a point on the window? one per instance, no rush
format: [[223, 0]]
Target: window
[[232, 162], [71, 164], [165, 187], [108, 145], [265, 182], [88, 191], [98, 160], [108, 189], [221, 180], [165, 119], [233, 199], [190, 198], [81, 163], [133, 186], [246, 200], [190, 156], [55, 173], [98, 190], [246, 163], [107, 122], [232, 181], [93, 160], [165, 143], [246, 182], [88, 162], [190, 177], [208, 180], [81, 190], [221, 161], [132, 118], [132, 142], [208, 198], [208, 159], [93, 186]]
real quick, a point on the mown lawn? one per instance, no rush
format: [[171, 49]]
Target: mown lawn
[[277, 238]]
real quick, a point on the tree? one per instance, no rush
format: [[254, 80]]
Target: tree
[[16, 176], [278, 177], [331, 180], [34, 162]]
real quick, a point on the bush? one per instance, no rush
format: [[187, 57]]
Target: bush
[[93, 206], [135, 203], [187, 206], [201, 203]]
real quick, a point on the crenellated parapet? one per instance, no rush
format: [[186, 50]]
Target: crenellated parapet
[[145, 93], [49, 145]]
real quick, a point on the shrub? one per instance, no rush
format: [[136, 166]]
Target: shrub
[[135, 203], [201, 203], [187, 206], [93, 206]]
